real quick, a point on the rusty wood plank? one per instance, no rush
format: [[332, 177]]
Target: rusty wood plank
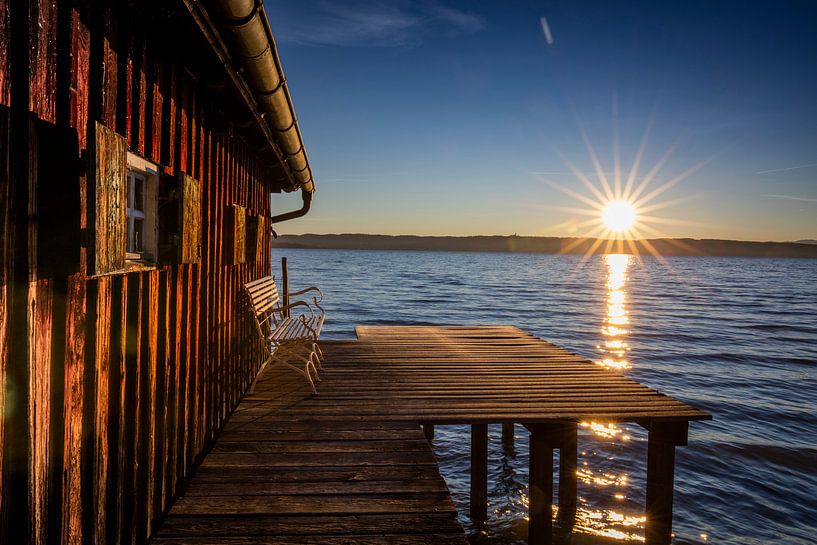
[[106, 200], [43, 60], [131, 429], [170, 117], [236, 229], [39, 362], [149, 370], [171, 380], [118, 408], [5, 72], [109, 29], [180, 372], [183, 136], [190, 219], [121, 31], [204, 294], [73, 424], [152, 97], [191, 377], [80, 70], [144, 409], [141, 111], [159, 497], [101, 366], [6, 255], [16, 522]]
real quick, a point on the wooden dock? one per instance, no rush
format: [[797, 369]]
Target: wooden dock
[[351, 464]]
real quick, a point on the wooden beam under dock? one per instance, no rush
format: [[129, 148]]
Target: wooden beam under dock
[[479, 472]]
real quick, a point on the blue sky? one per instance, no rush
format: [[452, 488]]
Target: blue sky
[[459, 118]]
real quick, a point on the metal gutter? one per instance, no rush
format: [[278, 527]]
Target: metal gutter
[[246, 27], [277, 125], [307, 197]]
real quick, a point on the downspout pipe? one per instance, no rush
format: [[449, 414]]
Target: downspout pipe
[[307, 198]]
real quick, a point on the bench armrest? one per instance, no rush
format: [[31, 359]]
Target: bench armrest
[[305, 290], [290, 306]]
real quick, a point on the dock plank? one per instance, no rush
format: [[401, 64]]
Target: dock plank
[[352, 465]]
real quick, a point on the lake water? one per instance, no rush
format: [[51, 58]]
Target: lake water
[[736, 337]]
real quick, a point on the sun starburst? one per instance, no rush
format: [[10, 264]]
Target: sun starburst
[[621, 210]]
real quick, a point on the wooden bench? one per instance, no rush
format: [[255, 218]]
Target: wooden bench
[[287, 335]]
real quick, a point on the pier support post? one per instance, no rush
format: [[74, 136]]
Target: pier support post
[[568, 465], [428, 430], [662, 440], [285, 283], [507, 436], [543, 439], [479, 472]]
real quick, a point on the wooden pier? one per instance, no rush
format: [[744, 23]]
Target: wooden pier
[[352, 464]]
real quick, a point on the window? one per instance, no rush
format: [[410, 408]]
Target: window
[[140, 216], [140, 210], [135, 212]]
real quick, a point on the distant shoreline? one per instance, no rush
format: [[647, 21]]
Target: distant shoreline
[[548, 245]]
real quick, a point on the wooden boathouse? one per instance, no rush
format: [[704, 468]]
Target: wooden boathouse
[[139, 144]]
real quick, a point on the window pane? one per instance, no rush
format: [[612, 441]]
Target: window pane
[[139, 193], [138, 234], [129, 190]]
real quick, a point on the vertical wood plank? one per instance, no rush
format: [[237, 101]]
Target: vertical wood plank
[[75, 326], [6, 257], [181, 349], [174, 351], [160, 440], [43, 59], [132, 428], [119, 409], [152, 99], [80, 70], [39, 361], [102, 363], [110, 65], [5, 76], [190, 374], [151, 295]]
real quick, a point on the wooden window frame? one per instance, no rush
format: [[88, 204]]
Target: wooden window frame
[[138, 167]]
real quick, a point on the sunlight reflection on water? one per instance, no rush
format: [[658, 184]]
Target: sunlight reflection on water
[[729, 335], [610, 523], [614, 330]]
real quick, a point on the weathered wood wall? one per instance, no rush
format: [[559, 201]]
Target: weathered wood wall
[[111, 388]]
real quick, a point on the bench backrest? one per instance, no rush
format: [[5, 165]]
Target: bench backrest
[[263, 294]]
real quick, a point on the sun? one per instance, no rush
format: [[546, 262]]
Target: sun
[[619, 216]]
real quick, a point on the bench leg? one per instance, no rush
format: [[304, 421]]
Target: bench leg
[[318, 354], [285, 350], [264, 367]]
